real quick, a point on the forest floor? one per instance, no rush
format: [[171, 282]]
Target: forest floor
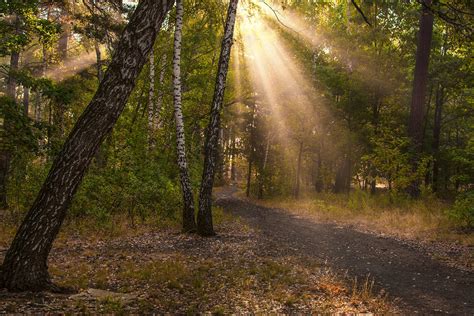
[[404, 269], [264, 260], [148, 269]]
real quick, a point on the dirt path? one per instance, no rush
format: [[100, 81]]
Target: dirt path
[[422, 284]]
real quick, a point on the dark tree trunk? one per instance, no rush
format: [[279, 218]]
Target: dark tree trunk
[[373, 186], [436, 135], [249, 177], [26, 101], [319, 183], [25, 264], [420, 80], [204, 219]]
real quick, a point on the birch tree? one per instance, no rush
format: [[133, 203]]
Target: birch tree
[[189, 223], [25, 264], [204, 219]]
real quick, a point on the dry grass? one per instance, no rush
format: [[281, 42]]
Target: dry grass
[[424, 219]]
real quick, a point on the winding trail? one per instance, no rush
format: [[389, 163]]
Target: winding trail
[[422, 284]]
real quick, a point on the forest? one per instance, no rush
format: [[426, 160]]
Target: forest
[[236, 157]]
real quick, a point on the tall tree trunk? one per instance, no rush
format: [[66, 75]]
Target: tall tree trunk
[[25, 264], [436, 134], [420, 80], [204, 220], [151, 100], [189, 222]]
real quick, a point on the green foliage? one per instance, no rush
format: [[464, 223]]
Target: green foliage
[[139, 193], [22, 25], [463, 210]]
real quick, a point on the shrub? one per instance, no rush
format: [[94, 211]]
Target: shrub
[[462, 211]]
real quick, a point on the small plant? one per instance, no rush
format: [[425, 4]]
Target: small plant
[[112, 306]]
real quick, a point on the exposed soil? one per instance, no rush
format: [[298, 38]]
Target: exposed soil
[[421, 283]]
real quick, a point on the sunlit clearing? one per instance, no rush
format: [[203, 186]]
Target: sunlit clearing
[[71, 66]]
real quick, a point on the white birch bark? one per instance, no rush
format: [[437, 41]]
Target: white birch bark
[[189, 223]]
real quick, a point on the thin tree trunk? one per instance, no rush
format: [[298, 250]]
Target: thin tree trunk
[[319, 183], [38, 101], [11, 82], [204, 220], [26, 101], [25, 264], [232, 159], [159, 99], [249, 177], [189, 222], [98, 54], [436, 135], [298, 171], [420, 80], [64, 38]]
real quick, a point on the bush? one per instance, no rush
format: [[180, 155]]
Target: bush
[[462, 211]]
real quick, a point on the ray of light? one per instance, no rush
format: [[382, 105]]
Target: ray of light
[[278, 77], [351, 57], [71, 66]]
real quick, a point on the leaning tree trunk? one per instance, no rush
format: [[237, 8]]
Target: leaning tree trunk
[[204, 220], [189, 222], [25, 264], [420, 80]]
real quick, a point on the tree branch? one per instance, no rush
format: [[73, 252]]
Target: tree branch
[[361, 12]]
